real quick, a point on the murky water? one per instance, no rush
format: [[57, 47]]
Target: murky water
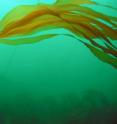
[[50, 80]]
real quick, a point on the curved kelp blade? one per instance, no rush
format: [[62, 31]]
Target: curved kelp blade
[[78, 2], [16, 14], [102, 55], [29, 40]]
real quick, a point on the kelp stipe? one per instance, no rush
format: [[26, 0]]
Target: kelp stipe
[[83, 22]]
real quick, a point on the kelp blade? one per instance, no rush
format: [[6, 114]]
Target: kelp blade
[[29, 40]]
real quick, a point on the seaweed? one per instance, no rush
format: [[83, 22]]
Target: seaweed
[[17, 28]]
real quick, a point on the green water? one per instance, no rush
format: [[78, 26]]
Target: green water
[[48, 81]]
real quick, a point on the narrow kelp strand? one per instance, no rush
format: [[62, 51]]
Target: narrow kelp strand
[[108, 31], [96, 33], [88, 13], [97, 52]]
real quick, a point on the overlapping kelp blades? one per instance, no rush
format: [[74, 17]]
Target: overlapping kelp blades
[[16, 14], [25, 21], [102, 55], [19, 24], [82, 28], [82, 21], [75, 19], [42, 11]]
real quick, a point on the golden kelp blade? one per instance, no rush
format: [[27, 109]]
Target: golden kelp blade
[[29, 40], [103, 56], [16, 14], [82, 21], [78, 2]]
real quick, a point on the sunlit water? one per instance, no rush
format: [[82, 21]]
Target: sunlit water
[[54, 67]]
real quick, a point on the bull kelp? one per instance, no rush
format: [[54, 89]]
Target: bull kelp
[[85, 24]]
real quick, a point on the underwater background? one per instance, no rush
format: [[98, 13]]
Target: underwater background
[[56, 81]]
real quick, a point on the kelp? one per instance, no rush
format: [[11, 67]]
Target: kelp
[[83, 23]]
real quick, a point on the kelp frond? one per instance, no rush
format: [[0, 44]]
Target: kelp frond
[[82, 21]]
